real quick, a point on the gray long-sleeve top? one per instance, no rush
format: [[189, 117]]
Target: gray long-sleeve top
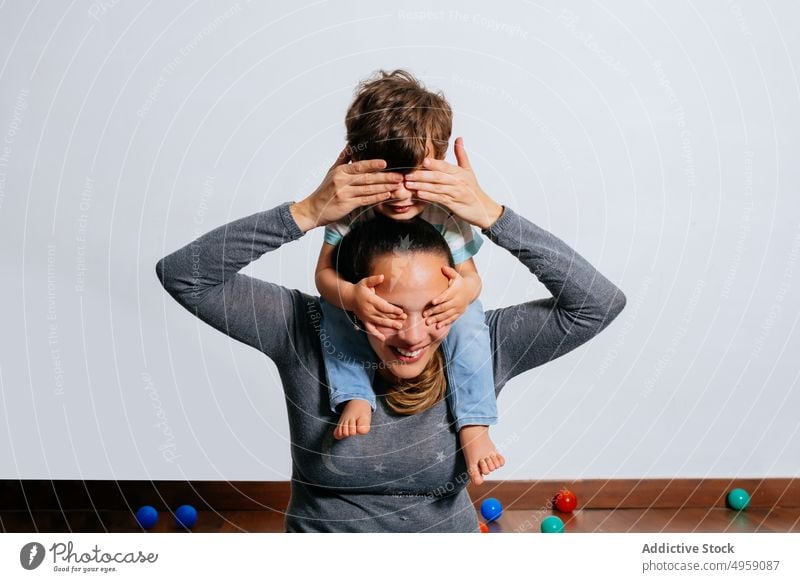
[[407, 474]]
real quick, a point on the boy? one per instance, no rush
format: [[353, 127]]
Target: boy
[[394, 118]]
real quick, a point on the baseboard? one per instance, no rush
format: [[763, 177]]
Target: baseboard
[[32, 495]]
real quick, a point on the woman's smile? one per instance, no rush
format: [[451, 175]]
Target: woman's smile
[[408, 356]]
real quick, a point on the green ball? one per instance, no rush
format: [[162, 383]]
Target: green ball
[[552, 524], [738, 499]]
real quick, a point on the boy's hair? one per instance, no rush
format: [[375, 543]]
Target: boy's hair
[[391, 118]]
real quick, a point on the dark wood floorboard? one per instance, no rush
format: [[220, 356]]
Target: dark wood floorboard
[[659, 520]]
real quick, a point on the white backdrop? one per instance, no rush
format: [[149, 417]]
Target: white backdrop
[[659, 140]]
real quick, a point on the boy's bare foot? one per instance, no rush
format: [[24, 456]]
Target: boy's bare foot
[[355, 419], [479, 451]]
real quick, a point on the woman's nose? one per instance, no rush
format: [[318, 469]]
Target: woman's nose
[[414, 330]]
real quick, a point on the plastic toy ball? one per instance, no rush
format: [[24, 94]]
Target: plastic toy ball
[[552, 524], [738, 499], [484, 528], [491, 509], [186, 516], [565, 500], [147, 516]]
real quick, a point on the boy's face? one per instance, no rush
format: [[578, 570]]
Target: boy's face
[[404, 204]]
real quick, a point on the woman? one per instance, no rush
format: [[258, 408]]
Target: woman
[[407, 474]]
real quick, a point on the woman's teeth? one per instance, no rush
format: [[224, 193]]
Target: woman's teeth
[[409, 354]]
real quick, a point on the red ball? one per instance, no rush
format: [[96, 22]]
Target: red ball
[[484, 528], [565, 501]]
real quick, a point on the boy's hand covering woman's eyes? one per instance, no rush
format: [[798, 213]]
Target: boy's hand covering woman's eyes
[[372, 309], [450, 304]]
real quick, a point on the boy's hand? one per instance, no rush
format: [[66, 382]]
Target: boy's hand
[[450, 304], [456, 188], [345, 187], [373, 310]]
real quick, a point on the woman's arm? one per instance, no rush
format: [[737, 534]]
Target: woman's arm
[[583, 301], [204, 277]]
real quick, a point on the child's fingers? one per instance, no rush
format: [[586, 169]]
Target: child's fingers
[[446, 322], [385, 322], [384, 306], [373, 330], [440, 306], [442, 316]]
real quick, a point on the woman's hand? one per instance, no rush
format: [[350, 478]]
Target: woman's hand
[[456, 188], [372, 309], [345, 187], [450, 304]]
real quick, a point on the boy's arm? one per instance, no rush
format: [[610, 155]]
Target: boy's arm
[[330, 285], [471, 277]]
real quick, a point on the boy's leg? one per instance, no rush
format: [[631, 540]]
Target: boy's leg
[[348, 358], [470, 374], [470, 390]]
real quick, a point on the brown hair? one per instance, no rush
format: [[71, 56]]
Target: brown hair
[[353, 259], [392, 117]]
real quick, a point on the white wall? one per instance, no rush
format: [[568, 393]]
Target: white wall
[[660, 141]]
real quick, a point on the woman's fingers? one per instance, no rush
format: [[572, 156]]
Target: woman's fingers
[[440, 165], [461, 154], [430, 177], [370, 189], [376, 178], [444, 189], [439, 199], [363, 166]]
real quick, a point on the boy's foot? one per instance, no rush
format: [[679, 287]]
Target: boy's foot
[[355, 419], [479, 451]]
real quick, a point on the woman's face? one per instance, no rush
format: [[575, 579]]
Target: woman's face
[[410, 281]]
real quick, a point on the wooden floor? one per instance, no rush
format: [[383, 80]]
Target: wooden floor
[[690, 519]]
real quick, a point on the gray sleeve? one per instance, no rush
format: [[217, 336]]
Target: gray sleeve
[[204, 277], [583, 301]]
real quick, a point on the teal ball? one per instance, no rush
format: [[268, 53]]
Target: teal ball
[[738, 499], [552, 524]]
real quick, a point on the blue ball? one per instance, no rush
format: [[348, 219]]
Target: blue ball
[[147, 516], [552, 524], [491, 509], [186, 516], [738, 499]]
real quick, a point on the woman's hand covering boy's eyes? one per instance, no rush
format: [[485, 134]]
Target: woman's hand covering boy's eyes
[[344, 188], [454, 187]]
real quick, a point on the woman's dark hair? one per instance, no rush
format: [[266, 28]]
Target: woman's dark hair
[[379, 236], [353, 258]]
